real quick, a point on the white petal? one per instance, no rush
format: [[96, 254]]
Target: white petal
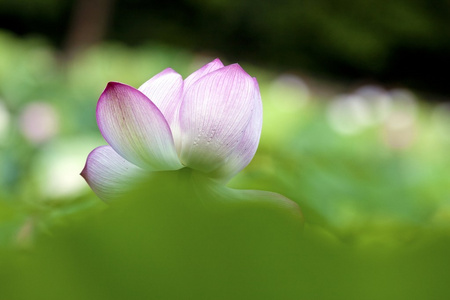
[[214, 116], [165, 91], [246, 149], [135, 128], [208, 68], [109, 174]]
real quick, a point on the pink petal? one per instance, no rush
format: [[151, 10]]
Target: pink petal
[[109, 174], [214, 117], [246, 149], [135, 128], [165, 91], [208, 68]]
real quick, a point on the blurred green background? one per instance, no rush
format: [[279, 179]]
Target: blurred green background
[[394, 42], [356, 131]]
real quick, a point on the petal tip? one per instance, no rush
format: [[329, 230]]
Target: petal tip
[[168, 71], [112, 84], [85, 172], [111, 87], [217, 61], [255, 82], [237, 69]]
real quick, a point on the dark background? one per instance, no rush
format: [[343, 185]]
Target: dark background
[[393, 42]]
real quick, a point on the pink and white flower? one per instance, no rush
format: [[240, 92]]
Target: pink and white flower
[[210, 122]]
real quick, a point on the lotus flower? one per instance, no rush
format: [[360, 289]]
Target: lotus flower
[[209, 122]]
